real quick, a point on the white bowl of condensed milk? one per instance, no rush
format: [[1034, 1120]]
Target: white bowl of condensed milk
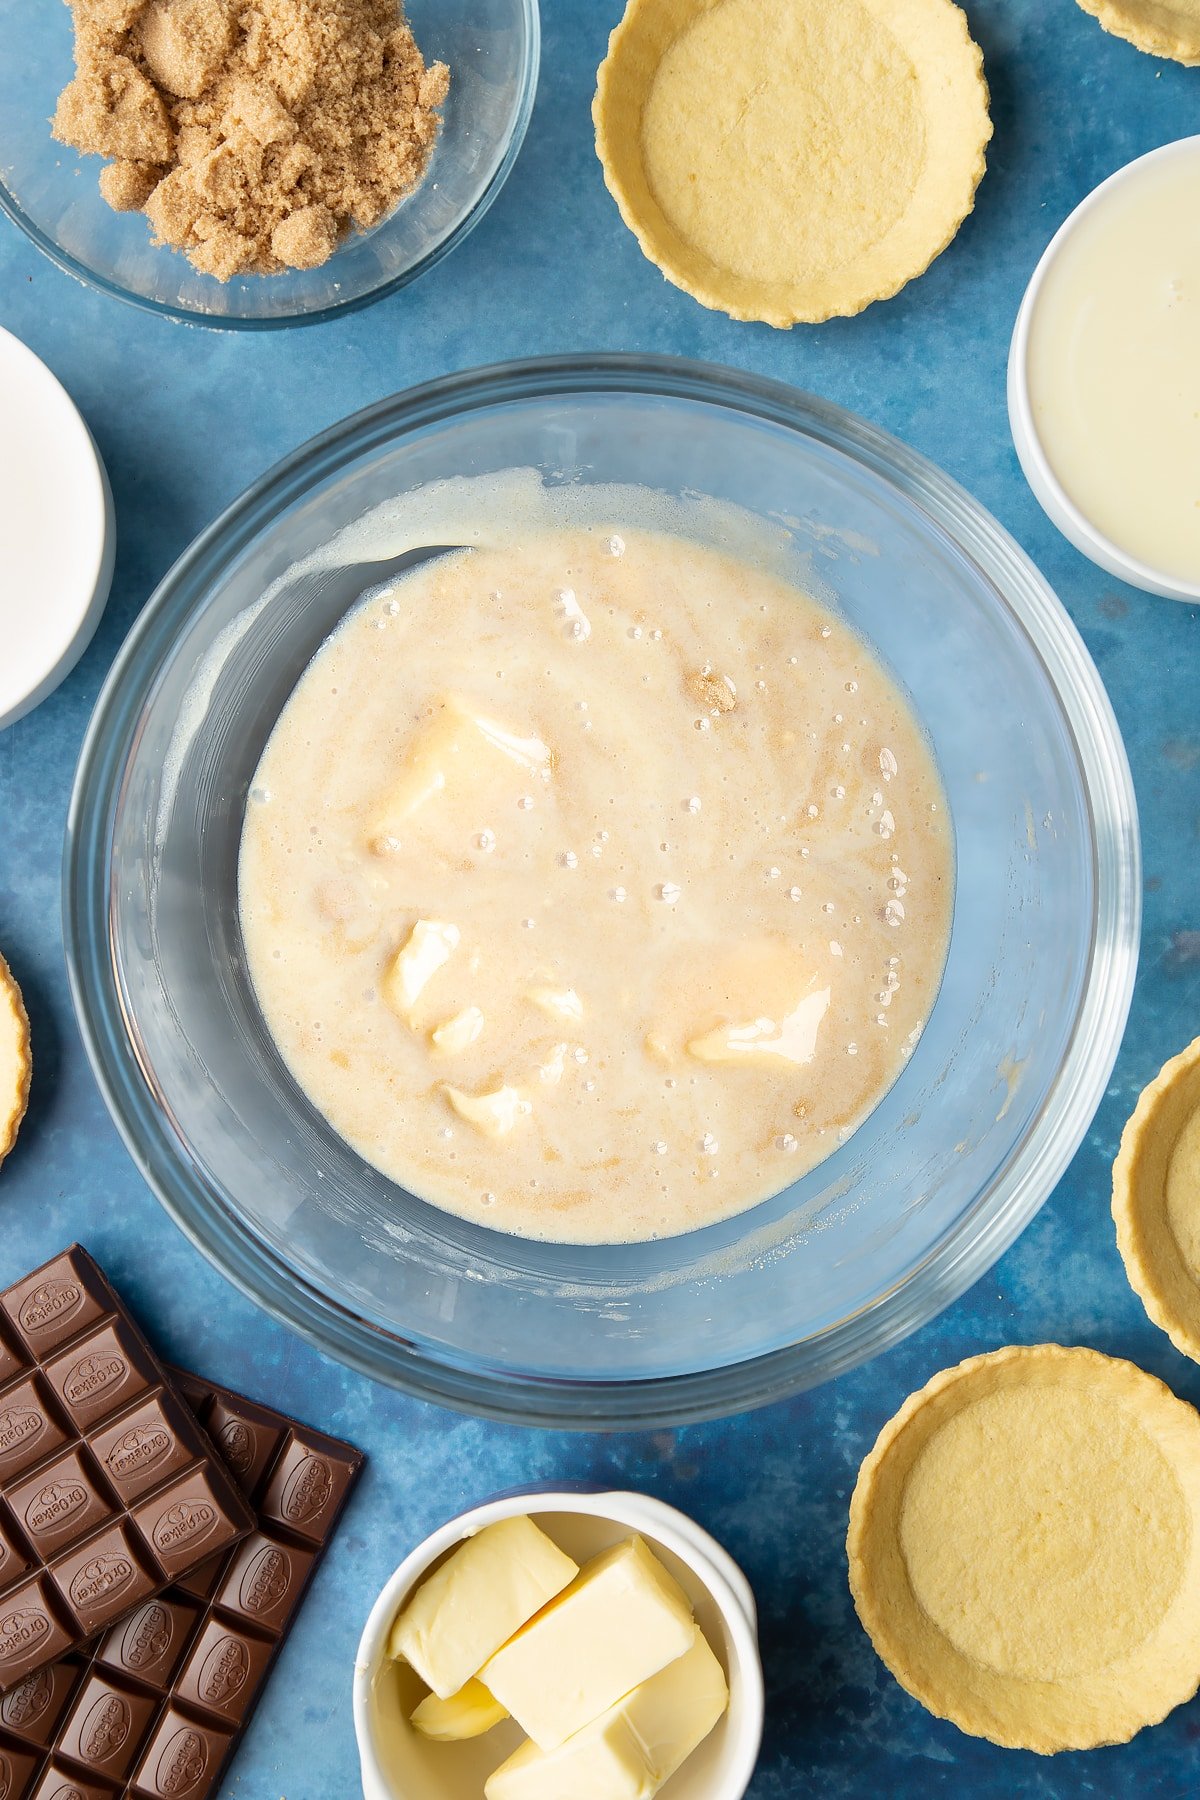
[[1104, 374]]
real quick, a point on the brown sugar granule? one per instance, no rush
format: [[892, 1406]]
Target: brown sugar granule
[[128, 185], [253, 133]]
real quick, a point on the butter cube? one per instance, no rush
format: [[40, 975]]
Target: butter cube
[[792, 1039], [467, 1714], [631, 1750], [494, 1114], [429, 948], [560, 1003], [458, 1033], [621, 1620], [456, 747], [462, 1613]]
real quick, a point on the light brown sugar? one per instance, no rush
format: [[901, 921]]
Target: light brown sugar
[[253, 133]]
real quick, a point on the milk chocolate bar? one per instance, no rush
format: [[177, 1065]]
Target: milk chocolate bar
[[155, 1709], [109, 1488]]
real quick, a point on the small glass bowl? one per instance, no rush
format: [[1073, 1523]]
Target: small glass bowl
[[928, 1191], [52, 192]]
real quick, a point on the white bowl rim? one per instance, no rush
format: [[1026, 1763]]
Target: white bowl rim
[[63, 634], [708, 1560], [1039, 472]]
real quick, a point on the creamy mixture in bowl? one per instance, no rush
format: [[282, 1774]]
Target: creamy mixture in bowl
[[595, 885]]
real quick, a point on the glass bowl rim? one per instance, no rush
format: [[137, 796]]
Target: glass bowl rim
[[1000, 1211], [11, 207]]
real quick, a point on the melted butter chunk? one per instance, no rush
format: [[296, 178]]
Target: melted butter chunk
[[494, 1114], [455, 747], [527, 752], [458, 1033], [429, 948], [560, 1003], [551, 1070], [760, 1003], [792, 1039]]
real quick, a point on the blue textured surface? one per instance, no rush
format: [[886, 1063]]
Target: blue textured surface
[[185, 419]]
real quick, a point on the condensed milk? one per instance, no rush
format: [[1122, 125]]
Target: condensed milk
[[595, 885], [1111, 366]]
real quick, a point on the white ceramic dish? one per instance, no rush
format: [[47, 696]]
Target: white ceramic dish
[[57, 535], [397, 1764], [1054, 500]]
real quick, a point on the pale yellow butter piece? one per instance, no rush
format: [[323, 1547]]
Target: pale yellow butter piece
[[792, 1039], [430, 945], [494, 1114], [560, 1003], [631, 1750], [528, 752], [551, 1071], [453, 746], [621, 1620], [458, 1033], [462, 1613], [467, 1714], [427, 767]]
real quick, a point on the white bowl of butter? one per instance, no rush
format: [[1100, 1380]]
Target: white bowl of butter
[[1104, 374], [399, 1762]]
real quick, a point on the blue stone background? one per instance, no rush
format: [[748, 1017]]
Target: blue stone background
[[185, 419]]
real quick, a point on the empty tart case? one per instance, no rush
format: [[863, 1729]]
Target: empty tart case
[[792, 163], [1024, 1551], [1156, 1199]]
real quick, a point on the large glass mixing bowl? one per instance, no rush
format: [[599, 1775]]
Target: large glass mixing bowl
[[924, 1196]]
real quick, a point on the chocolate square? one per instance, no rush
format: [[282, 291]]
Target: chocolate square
[[197, 1393], [264, 1580], [108, 1727], [183, 1522], [14, 1557], [201, 1582], [144, 1447], [60, 1503], [31, 1710], [16, 1767], [100, 1373], [62, 1783], [12, 1361], [151, 1641], [55, 1302], [29, 1429], [246, 1439], [182, 1759], [103, 1578], [305, 1489], [30, 1631], [223, 1671]]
